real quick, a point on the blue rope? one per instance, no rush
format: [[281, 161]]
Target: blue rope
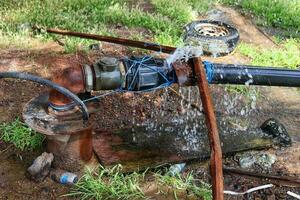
[[102, 95], [136, 72], [130, 89], [151, 69], [209, 67], [141, 64]]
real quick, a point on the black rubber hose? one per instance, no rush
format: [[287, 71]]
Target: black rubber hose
[[37, 79], [252, 75]]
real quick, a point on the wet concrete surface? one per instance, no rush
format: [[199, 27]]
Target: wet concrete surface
[[164, 125]]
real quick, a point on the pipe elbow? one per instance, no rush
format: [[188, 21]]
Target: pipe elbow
[[71, 78]]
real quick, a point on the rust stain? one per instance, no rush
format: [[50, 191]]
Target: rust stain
[[184, 73], [71, 151], [112, 149], [121, 41], [70, 78], [86, 144]]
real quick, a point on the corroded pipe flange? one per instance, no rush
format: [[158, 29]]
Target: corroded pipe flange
[[68, 136], [38, 117], [71, 152]]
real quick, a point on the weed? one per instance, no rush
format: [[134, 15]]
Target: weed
[[179, 11], [251, 94], [96, 16], [108, 184], [280, 13], [20, 135], [104, 183], [288, 55], [185, 183], [239, 89], [201, 6]]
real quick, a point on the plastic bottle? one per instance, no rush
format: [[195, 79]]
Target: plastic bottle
[[63, 177], [176, 169]]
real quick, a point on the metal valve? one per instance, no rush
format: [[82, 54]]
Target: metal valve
[[134, 74]]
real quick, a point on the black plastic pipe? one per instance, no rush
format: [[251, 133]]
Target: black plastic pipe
[[251, 75], [64, 91]]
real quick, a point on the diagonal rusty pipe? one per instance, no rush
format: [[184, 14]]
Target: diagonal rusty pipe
[[216, 169], [121, 41]]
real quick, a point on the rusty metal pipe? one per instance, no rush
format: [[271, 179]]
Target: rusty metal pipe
[[216, 169], [121, 41], [71, 78], [71, 151], [67, 93]]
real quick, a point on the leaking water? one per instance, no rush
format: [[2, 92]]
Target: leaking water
[[180, 122], [177, 127]]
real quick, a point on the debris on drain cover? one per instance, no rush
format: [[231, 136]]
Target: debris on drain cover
[[40, 167], [260, 159], [277, 130]]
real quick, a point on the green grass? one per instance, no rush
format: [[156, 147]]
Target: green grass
[[201, 6], [286, 55], [277, 13], [97, 16], [185, 183], [108, 184], [20, 135], [104, 183], [249, 93], [165, 21], [240, 89], [180, 11]]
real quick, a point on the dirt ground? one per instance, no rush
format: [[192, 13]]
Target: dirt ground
[[281, 103]]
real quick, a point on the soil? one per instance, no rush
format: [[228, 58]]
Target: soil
[[48, 59]]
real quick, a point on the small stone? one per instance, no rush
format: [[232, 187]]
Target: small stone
[[40, 167], [261, 159], [247, 162]]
